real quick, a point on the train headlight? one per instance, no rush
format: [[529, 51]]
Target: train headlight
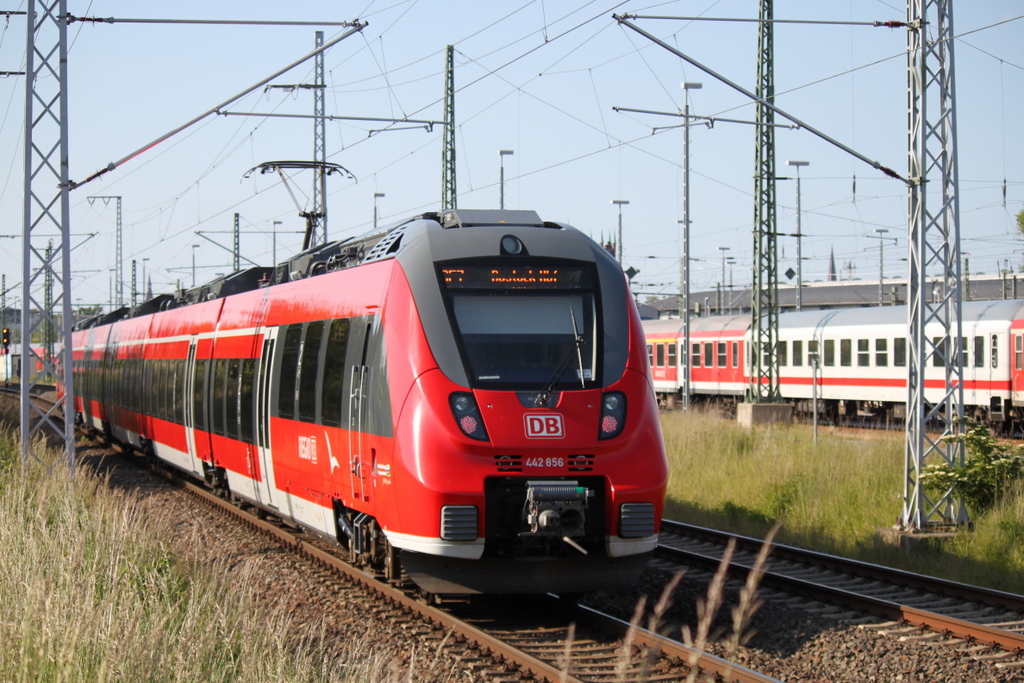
[[467, 416], [613, 415]]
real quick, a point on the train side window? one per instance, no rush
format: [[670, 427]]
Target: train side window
[[289, 367], [994, 351], [979, 352], [1018, 352], [661, 355], [695, 355], [812, 351], [334, 373], [199, 395], [308, 371], [830, 352], [220, 375], [899, 352], [845, 353], [939, 354], [246, 385], [672, 355], [798, 353], [231, 400], [650, 354], [735, 354], [722, 351], [783, 352], [863, 353], [709, 355], [965, 352], [881, 353]]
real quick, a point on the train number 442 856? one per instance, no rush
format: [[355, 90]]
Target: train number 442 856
[[545, 462]]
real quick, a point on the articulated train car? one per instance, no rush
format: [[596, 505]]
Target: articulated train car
[[861, 355], [464, 396]]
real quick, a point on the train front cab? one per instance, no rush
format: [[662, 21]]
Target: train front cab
[[531, 457]]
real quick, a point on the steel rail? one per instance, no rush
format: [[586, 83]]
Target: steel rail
[[945, 624], [988, 596]]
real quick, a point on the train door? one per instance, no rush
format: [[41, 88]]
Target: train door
[[1017, 368], [358, 405], [266, 490], [193, 382]]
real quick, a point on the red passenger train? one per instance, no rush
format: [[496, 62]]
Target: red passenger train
[[464, 396]]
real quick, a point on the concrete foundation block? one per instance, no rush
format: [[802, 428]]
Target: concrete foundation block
[[750, 414]]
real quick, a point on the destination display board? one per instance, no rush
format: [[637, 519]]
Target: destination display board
[[517, 277]]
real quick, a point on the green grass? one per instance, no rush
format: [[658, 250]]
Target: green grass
[[90, 592], [833, 497]]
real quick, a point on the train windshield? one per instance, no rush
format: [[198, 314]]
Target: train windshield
[[525, 328]]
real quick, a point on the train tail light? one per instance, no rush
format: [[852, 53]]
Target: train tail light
[[613, 415], [467, 416]]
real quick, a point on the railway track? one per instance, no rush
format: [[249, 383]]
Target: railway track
[[543, 637], [984, 624], [527, 638]]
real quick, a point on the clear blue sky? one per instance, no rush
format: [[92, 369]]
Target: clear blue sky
[[539, 78]]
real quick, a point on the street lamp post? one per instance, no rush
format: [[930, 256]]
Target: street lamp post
[[376, 196], [502, 153], [618, 245], [684, 263], [145, 290], [273, 232], [722, 288], [881, 261], [799, 238]]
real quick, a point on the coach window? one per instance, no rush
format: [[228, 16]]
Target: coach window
[[220, 376], [650, 354], [334, 373], [979, 352], [695, 355], [308, 371], [672, 355], [965, 352], [199, 395], [899, 352], [939, 354], [661, 355], [722, 351], [709, 355], [231, 400], [830, 352], [881, 353], [289, 366], [735, 354], [783, 352], [845, 353], [863, 353], [1018, 352], [247, 378], [798, 353], [994, 351], [812, 351]]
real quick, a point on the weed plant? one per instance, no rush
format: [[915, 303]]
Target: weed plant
[[833, 497], [90, 593]]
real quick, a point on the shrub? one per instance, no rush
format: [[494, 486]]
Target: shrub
[[990, 469]]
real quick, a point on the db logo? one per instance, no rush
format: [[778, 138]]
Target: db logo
[[544, 426]]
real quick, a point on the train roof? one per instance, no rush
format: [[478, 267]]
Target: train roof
[[716, 323], [972, 312], [330, 257]]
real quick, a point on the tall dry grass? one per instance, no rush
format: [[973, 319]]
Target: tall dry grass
[[90, 593], [833, 497]]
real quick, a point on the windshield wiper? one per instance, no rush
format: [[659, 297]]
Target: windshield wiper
[[577, 344]]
